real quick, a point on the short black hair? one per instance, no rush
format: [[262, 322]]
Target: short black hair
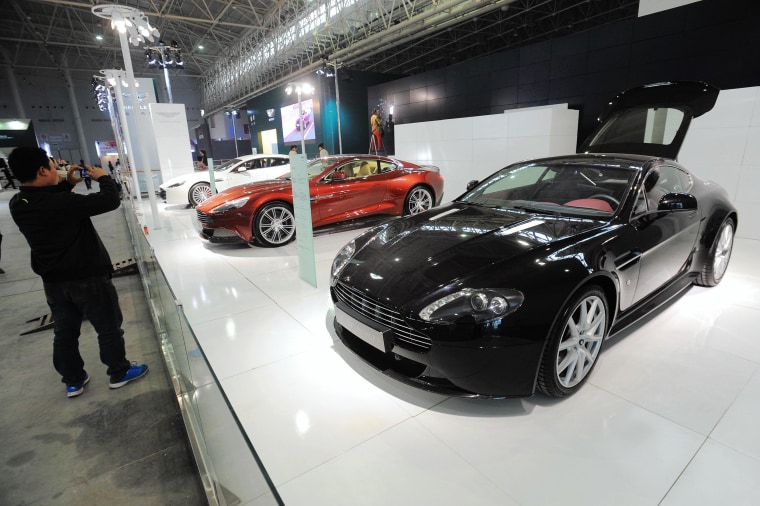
[[320, 146], [26, 161]]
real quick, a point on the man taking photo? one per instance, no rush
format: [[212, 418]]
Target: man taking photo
[[75, 267]]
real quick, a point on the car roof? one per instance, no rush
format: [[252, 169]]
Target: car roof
[[260, 155], [622, 160]]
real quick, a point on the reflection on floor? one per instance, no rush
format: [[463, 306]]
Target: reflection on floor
[[669, 415]]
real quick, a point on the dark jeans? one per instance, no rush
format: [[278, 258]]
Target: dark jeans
[[94, 298]]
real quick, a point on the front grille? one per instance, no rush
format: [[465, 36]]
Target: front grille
[[202, 217], [384, 315], [162, 194]]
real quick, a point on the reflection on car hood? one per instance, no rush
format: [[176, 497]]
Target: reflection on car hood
[[192, 177], [412, 256], [277, 185]]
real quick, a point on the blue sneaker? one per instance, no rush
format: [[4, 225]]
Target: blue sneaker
[[134, 372], [77, 388]]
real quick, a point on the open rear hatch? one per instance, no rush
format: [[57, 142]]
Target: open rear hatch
[[651, 120]]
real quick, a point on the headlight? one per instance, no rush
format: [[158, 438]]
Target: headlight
[[232, 204], [483, 305], [341, 260], [176, 184]]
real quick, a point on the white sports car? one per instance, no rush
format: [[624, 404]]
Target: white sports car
[[195, 187]]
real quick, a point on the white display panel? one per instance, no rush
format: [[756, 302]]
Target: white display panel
[[473, 148], [170, 134], [723, 145]]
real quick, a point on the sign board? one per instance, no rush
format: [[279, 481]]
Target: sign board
[[299, 178]]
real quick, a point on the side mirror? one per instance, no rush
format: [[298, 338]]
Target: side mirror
[[677, 202], [472, 184]]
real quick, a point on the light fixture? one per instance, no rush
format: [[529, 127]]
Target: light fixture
[[132, 24], [129, 21], [164, 57], [98, 37], [299, 88]]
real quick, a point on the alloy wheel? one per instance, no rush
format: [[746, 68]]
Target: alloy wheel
[[581, 341]]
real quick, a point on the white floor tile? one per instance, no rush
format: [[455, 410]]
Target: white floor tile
[[740, 426], [592, 448], [404, 466], [668, 366], [305, 410], [237, 343], [717, 475]]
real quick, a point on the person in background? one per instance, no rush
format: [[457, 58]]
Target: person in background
[[7, 174], [293, 150], [86, 176], [202, 160], [110, 167], [69, 256], [322, 151], [376, 124]]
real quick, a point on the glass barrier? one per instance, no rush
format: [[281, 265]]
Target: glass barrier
[[230, 469]]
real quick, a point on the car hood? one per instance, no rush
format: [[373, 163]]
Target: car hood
[[192, 177], [236, 192], [413, 256]]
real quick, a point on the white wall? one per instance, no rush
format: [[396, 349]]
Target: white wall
[[724, 146], [653, 6], [473, 148]]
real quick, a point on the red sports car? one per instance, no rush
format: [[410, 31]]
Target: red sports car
[[342, 188]]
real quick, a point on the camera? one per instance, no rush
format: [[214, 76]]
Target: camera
[[82, 173]]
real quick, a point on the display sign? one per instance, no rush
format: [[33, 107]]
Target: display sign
[[299, 179], [292, 124]]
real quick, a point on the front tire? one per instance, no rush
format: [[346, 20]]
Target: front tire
[[198, 193], [274, 225], [719, 255], [574, 344], [418, 199]]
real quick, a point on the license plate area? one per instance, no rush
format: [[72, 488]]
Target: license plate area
[[368, 331]]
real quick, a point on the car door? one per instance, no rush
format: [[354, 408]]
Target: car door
[[235, 177], [358, 194], [267, 168], [666, 238], [651, 120]]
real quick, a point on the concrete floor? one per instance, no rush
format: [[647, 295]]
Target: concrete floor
[[125, 445]]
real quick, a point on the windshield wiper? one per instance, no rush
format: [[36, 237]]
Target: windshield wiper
[[537, 210]]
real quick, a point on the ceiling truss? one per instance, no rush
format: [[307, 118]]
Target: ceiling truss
[[241, 48]]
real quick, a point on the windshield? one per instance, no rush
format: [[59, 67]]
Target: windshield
[[554, 188], [314, 168], [228, 164]]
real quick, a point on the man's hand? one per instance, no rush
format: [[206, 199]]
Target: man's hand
[[73, 174], [96, 172]]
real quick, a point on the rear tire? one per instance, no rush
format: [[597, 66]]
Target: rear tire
[[198, 193], [574, 343], [274, 225], [719, 255], [418, 199]]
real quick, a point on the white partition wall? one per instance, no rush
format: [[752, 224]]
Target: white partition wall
[[169, 126], [472, 148], [724, 146]]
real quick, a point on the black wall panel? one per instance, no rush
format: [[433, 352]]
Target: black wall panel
[[706, 40]]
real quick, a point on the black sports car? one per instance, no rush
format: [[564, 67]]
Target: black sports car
[[518, 282]]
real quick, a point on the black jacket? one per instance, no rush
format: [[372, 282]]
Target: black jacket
[[56, 223]]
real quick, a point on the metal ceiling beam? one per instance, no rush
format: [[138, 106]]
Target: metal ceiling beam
[[88, 5]]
